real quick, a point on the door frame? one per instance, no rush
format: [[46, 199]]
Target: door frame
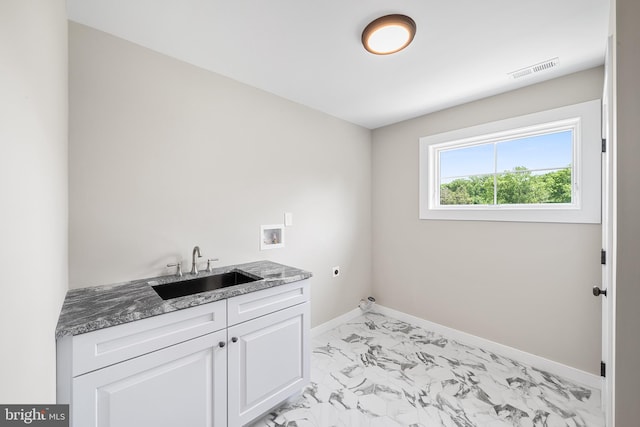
[[608, 234]]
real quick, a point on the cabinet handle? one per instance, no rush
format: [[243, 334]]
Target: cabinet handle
[[234, 339], [221, 344]]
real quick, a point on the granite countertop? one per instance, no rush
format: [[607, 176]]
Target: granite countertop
[[89, 309]]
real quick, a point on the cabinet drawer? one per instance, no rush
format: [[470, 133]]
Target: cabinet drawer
[[107, 346], [259, 303]]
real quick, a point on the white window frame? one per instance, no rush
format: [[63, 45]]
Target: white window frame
[[584, 121]]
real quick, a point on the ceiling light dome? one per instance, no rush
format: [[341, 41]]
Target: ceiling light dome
[[388, 34]]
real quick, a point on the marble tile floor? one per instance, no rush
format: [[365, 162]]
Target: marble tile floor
[[375, 371]]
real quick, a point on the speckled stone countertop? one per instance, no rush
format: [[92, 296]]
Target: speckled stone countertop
[[89, 309]]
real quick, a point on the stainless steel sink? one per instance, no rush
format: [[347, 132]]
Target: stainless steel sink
[[203, 284]]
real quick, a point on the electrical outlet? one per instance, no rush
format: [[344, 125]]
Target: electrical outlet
[[335, 271], [288, 219]]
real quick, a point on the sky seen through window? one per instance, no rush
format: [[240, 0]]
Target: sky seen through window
[[547, 151]]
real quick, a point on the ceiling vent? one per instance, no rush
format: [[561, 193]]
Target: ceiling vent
[[533, 69]]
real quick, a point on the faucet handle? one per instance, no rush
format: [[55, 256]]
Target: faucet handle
[[179, 268], [209, 261]]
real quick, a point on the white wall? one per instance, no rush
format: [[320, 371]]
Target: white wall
[[526, 285], [627, 290], [33, 190], [165, 156]]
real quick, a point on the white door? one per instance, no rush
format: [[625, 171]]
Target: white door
[[181, 385], [608, 218], [268, 360]]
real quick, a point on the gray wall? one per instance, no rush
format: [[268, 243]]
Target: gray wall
[[33, 190], [627, 291], [526, 285], [164, 156]]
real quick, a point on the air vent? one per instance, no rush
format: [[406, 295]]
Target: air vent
[[533, 69]]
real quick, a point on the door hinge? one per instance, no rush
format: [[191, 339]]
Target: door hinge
[[604, 145], [603, 369], [603, 256]]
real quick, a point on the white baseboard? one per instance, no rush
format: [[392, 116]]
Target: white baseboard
[[333, 323], [539, 362]]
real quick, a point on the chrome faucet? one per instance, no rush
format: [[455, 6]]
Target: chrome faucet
[[194, 264]]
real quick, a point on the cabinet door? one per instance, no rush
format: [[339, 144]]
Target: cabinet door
[[181, 385], [268, 362]]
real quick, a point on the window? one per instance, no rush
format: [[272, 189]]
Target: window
[[544, 167], [524, 168]]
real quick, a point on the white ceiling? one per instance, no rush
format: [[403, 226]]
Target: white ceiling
[[310, 51]]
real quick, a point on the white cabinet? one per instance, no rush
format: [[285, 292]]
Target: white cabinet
[[181, 385], [165, 370], [268, 361], [219, 364]]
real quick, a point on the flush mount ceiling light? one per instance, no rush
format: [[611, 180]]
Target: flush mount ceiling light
[[388, 34]]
